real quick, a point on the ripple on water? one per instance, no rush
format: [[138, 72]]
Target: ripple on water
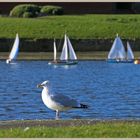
[[112, 91]]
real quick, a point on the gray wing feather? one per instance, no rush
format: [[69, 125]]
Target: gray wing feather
[[64, 100]]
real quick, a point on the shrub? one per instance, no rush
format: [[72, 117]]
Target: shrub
[[27, 15], [22, 10], [52, 10]]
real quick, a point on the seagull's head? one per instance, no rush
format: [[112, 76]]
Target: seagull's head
[[44, 84]]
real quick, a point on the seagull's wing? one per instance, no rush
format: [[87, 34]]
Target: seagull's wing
[[64, 100]]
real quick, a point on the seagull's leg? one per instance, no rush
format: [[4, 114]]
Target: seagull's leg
[[57, 115]]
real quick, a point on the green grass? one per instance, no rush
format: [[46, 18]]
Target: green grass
[[77, 26], [104, 129]]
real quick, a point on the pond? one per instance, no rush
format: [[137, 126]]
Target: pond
[[112, 91]]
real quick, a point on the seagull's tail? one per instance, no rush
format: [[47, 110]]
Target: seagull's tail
[[82, 106]]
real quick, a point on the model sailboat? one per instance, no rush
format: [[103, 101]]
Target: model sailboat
[[130, 55], [118, 54], [14, 51], [68, 56]]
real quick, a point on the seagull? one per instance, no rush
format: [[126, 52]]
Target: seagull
[[58, 102]]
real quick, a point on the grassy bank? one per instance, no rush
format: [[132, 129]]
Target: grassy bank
[[77, 26], [49, 55], [106, 129], [100, 55]]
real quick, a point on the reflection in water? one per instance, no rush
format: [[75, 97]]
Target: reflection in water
[[65, 66], [111, 90]]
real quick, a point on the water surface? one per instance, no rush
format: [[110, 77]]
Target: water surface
[[111, 90]]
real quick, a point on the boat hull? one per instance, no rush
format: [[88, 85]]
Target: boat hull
[[63, 62], [119, 61]]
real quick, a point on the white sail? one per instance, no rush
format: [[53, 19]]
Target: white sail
[[64, 54], [117, 50], [72, 54], [15, 48], [55, 51], [130, 54]]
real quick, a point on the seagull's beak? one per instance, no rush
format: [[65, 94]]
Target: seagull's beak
[[39, 86]]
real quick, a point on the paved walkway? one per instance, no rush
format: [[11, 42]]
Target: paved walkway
[[56, 123]]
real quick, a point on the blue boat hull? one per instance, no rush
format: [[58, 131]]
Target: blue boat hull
[[63, 62], [119, 61]]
